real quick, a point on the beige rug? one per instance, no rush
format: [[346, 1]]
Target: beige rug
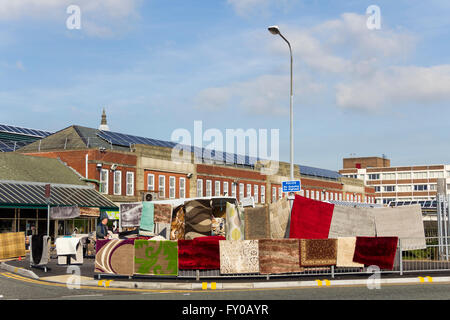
[[345, 252], [279, 215], [239, 256], [351, 222]]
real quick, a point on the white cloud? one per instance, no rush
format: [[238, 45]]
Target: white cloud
[[396, 86], [248, 7]]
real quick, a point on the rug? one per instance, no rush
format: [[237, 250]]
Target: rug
[[239, 256], [177, 225], [257, 223], [147, 217], [218, 227], [351, 222], [197, 218], [405, 222], [345, 253], [219, 207], [63, 213], [163, 230], [155, 257], [115, 257], [279, 256], [318, 252], [310, 219], [130, 214], [40, 245], [199, 254], [233, 223], [378, 251], [163, 213], [279, 215]]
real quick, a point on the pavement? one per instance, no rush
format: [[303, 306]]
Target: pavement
[[64, 274]]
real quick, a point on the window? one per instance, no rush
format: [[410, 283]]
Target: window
[[420, 187], [404, 188], [312, 194], [130, 183], [280, 194], [373, 176], [233, 189], [182, 188], [172, 187], [388, 176], [263, 194], [225, 188], [317, 195], [217, 188], [249, 190], [274, 194], [387, 200], [331, 196], [389, 188], [436, 174], [420, 175], [340, 196], [241, 191], [377, 188], [117, 182], [302, 193], [208, 188], [199, 187], [327, 196], [104, 176], [150, 182], [162, 186], [404, 175], [307, 193], [256, 193], [433, 187]]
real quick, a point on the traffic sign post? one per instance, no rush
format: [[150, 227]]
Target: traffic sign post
[[292, 186], [47, 199]]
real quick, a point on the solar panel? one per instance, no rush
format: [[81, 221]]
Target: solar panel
[[24, 131], [317, 172]]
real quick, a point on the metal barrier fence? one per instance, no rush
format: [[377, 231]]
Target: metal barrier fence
[[430, 259]]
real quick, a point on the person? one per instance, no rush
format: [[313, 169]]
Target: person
[[102, 227]]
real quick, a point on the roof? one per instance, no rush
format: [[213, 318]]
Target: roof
[[29, 193], [321, 173], [18, 167], [13, 137]]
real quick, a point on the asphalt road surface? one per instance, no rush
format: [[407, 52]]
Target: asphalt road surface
[[14, 287]]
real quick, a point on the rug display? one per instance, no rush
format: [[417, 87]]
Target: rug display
[[63, 213], [219, 207], [310, 219], [279, 215], [279, 256], [155, 257], [351, 222], [177, 225], [233, 223], [318, 252], [115, 257], [257, 223], [200, 253], [404, 222], [345, 253], [197, 219], [130, 214], [162, 229], [378, 251], [163, 213], [218, 227], [147, 217], [239, 256]]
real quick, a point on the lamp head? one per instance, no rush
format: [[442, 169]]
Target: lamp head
[[274, 30]]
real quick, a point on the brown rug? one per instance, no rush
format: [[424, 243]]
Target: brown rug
[[279, 256], [257, 223], [162, 213], [177, 225], [318, 252], [198, 219]]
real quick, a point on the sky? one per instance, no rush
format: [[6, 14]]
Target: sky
[[157, 66]]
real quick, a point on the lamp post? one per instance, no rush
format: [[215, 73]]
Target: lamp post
[[276, 31]]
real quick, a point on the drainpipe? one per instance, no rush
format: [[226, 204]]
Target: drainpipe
[[87, 158]]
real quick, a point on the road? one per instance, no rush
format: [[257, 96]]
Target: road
[[14, 287]]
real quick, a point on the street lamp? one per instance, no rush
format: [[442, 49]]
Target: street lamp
[[276, 31]]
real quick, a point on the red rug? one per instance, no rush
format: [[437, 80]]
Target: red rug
[[201, 253], [310, 219], [378, 251]]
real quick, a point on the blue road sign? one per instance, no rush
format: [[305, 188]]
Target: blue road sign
[[292, 186]]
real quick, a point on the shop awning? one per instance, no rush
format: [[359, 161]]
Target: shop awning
[[33, 194]]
